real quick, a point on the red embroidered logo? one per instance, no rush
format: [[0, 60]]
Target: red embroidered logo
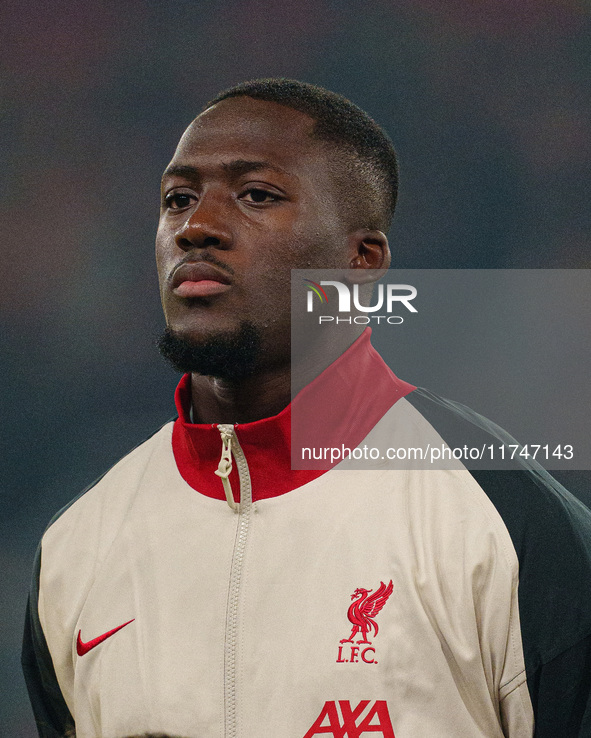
[[361, 614], [82, 648], [375, 720]]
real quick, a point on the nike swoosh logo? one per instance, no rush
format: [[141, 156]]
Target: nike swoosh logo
[[83, 648]]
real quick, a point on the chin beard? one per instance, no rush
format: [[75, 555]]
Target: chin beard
[[229, 356]]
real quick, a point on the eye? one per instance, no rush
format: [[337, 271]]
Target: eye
[[258, 195], [178, 200]]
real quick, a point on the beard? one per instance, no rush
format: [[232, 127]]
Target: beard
[[230, 356]]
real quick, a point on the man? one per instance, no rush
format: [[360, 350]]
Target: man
[[203, 588]]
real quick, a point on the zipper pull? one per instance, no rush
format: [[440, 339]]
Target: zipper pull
[[225, 466]]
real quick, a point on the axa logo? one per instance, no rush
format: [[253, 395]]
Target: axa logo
[[392, 295], [362, 613], [353, 722]]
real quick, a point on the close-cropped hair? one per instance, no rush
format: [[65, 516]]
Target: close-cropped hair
[[366, 165]]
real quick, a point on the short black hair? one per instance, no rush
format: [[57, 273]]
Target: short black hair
[[368, 175]]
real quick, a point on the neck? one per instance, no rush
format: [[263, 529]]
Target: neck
[[219, 401], [265, 393]]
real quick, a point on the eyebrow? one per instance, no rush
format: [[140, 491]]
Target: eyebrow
[[235, 168]]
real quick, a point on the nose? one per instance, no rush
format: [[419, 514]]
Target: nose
[[205, 226]]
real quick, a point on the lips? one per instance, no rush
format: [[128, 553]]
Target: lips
[[199, 279]]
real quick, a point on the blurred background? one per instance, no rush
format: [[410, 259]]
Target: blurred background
[[487, 102]]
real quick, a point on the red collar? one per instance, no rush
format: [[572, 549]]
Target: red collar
[[340, 406]]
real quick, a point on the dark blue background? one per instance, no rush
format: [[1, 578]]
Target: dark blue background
[[487, 103]]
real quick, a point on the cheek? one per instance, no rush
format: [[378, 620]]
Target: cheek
[[161, 277], [315, 249], [319, 239], [163, 257]]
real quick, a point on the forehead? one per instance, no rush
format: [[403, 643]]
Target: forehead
[[245, 128]]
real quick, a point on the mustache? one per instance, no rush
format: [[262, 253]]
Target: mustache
[[205, 257]]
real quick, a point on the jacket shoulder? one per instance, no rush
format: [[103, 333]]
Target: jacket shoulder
[[120, 481]]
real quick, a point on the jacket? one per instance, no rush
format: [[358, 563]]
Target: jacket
[[202, 587]]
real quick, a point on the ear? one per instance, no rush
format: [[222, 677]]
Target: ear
[[370, 256]]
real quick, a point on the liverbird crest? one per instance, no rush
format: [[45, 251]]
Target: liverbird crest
[[364, 609]]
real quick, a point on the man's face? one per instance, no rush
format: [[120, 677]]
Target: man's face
[[246, 197]]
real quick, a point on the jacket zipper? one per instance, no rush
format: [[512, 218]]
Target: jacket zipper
[[244, 509]]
